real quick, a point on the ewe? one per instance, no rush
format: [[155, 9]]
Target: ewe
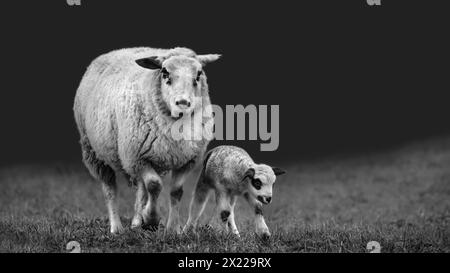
[[124, 108]]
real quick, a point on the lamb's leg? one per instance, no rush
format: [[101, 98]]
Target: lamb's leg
[[198, 203], [176, 192], [141, 199], [231, 222], [153, 184], [224, 207], [260, 225]]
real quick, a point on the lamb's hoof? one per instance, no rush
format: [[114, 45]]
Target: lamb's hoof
[[265, 236]]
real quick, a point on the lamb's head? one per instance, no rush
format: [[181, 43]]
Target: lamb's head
[[261, 179], [182, 80]]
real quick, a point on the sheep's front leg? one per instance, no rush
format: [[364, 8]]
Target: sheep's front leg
[[141, 199], [260, 225], [176, 192], [153, 185]]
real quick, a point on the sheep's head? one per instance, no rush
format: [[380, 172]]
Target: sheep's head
[[261, 179], [182, 80]]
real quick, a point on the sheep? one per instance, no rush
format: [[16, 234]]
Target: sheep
[[230, 172], [124, 108]]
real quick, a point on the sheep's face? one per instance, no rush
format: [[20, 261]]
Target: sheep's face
[[261, 179], [183, 81]]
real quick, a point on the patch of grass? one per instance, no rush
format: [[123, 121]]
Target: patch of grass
[[400, 199]]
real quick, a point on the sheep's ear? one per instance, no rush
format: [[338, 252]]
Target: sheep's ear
[[150, 62], [208, 58], [250, 173], [278, 171]]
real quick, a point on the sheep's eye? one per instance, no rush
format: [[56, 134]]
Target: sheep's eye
[[165, 73], [199, 73], [256, 183], [165, 76]]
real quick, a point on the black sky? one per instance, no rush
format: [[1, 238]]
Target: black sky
[[348, 77]]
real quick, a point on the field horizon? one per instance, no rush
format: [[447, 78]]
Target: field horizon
[[399, 198]]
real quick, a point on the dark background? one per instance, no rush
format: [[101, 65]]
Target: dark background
[[349, 78]]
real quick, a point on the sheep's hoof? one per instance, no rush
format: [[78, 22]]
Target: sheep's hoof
[[116, 229], [136, 222], [152, 224]]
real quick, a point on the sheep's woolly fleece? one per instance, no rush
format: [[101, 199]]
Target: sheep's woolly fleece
[[120, 116]]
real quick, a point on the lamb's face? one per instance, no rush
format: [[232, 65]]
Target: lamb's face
[[181, 82], [261, 180]]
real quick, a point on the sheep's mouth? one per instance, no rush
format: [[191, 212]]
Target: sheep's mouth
[[180, 115]]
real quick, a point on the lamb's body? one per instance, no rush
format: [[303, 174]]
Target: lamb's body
[[124, 127], [229, 171]]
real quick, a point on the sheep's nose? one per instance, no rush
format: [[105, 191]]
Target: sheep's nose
[[269, 199], [183, 102]]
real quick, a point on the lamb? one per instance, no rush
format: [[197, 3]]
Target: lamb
[[230, 172], [124, 108]]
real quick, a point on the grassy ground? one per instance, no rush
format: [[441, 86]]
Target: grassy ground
[[400, 199]]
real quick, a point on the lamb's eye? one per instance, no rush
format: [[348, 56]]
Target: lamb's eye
[[256, 183]]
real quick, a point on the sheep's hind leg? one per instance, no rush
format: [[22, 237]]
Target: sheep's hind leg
[[176, 192], [110, 192], [198, 203], [106, 175], [153, 184]]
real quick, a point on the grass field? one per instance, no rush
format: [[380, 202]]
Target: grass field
[[399, 198]]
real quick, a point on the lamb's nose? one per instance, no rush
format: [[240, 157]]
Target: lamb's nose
[[183, 102], [269, 199]]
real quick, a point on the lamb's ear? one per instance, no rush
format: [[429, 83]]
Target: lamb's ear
[[250, 173], [208, 58], [278, 171], [150, 62]]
